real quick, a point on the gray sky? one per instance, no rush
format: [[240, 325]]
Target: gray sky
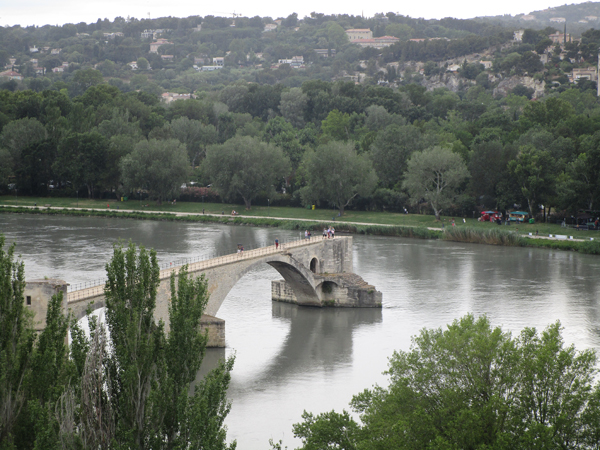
[[58, 12]]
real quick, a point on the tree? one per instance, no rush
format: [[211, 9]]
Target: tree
[[195, 135], [82, 160], [435, 175], [282, 134], [17, 136], [336, 174], [337, 125], [159, 166], [150, 373], [292, 106], [142, 63], [472, 386], [244, 167], [534, 171], [391, 149], [16, 341]]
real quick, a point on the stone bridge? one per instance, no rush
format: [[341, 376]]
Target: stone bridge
[[316, 272]]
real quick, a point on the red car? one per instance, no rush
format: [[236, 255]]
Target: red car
[[490, 216]]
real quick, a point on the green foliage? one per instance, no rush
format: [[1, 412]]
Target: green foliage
[[337, 174], [472, 386], [245, 166], [328, 430], [16, 342], [150, 373], [494, 236], [435, 175], [159, 166]]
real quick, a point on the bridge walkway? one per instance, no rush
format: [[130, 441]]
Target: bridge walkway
[[94, 291]]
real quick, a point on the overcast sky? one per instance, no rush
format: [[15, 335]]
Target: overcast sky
[[58, 12]]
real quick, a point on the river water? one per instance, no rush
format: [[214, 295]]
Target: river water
[[289, 358]]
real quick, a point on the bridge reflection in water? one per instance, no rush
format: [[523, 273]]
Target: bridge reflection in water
[[317, 339]]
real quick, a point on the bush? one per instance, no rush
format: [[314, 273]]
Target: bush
[[492, 236]]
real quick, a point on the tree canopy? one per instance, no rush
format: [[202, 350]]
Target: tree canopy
[[244, 167], [435, 174], [475, 386]]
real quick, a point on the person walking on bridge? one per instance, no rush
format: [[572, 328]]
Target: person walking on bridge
[[276, 244]]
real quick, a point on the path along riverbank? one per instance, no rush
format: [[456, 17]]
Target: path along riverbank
[[461, 233]]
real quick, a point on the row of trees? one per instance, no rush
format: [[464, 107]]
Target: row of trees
[[126, 384], [515, 151], [472, 386]]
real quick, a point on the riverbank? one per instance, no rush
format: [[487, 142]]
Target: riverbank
[[463, 231]]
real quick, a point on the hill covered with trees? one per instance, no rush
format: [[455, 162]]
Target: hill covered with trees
[[526, 131]]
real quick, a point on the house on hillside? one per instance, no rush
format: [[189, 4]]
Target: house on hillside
[[518, 35], [378, 42], [325, 52], [355, 34], [559, 38], [589, 73], [11, 75], [155, 45], [558, 20], [168, 97], [270, 27]]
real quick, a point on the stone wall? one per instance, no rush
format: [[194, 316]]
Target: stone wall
[[37, 296]]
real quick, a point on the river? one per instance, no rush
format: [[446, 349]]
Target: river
[[289, 358]]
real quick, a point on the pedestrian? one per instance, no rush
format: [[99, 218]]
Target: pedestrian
[[202, 210], [305, 234], [453, 221], [276, 244], [324, 233], [332, 232], [464, 220], [108, 205], [309, 234]]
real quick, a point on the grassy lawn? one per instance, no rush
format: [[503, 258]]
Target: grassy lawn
[[319, 214]]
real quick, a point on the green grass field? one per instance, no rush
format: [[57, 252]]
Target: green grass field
[[319, 214]]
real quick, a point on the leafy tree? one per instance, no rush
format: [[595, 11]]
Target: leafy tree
[[195, 135], [337, 174], [391, 149], [435, 175], [472, 386], [82, 159], [292, 106], [159, 166], [337, 125], [535, 173], [282, 134], [19, 135], [142, 63], [149, 373], [582, 184], [244, 167], [16, 341], [327, 431]]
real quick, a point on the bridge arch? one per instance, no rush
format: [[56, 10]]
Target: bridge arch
[[314, 264], [298, 276]]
